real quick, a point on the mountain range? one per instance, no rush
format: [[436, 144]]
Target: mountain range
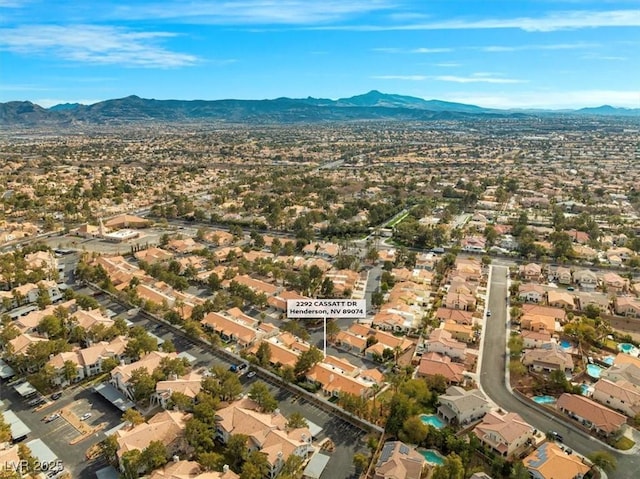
[[373, 105]]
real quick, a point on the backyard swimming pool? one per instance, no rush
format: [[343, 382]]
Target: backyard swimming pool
[[586, 390], [628, 348], [594, 371], [544, 399], [432, 456], [432, 420], [564, 344], [609, 360]]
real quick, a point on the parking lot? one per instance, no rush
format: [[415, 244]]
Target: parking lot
[[59, 433]]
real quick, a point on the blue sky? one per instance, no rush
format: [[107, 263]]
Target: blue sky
[[494, 53]]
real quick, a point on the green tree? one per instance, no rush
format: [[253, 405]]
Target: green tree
[[604, 460], [236, 453], [199, 435], [132, 463], [181, 401], [307, 360], [451, 469], [30, 462], [211, 461], [154, 455], [360, 461], [133, 417], [142, 384], [332, 330], [414, 430], [256, 466], [296, 420], [263, 354], [5, 430], [261, 394], [69, 371]]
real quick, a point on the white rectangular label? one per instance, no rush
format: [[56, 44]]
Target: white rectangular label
[[330, 308]]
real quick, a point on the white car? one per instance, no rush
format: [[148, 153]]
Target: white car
[[85, 416], [250, 374]]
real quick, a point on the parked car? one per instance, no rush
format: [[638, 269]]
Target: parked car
[[56, 396], [51, 418], [556, 436], [250, 374], [85, 416]]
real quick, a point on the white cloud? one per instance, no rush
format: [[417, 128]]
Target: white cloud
[[552, 46], [552, 99], [254, 12], [448, 65], [557, 20], [402, 77], [432, 50], [477, 78], [94, 44]]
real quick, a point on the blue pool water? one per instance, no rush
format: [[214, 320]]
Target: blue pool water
[[544, 399], [585, 390], [564, 344], [433, 457], [626, 347], [609, 360], [594, 370], [432, 420]]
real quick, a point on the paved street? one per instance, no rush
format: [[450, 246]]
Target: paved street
[[493, 384]]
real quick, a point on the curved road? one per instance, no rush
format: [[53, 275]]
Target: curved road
[[492, 380]]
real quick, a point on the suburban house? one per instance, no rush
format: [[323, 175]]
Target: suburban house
[[456, 315], [619, 386], [531, 293], [538, 322], [243, 333], [334, 380], [627, 306], [505, 433], [560, 299], [434, 364], [614, 283], [120, 375], [535, 339], [166, 427], [560, 275], [621, 395], [551, 462], [189, 385], [441, 341], [549, 357], [399, 461], [558, 314], [586, 279], [267, 432], [459, 332], [531, 272], [590, 414], [462, 407], [88, 361]]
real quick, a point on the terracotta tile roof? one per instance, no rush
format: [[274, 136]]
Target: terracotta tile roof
[[165, 426], [600, 416], [432, 364], [551, 462]]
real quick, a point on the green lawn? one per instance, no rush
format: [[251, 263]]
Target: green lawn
[[391, 224], [623, 444]]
